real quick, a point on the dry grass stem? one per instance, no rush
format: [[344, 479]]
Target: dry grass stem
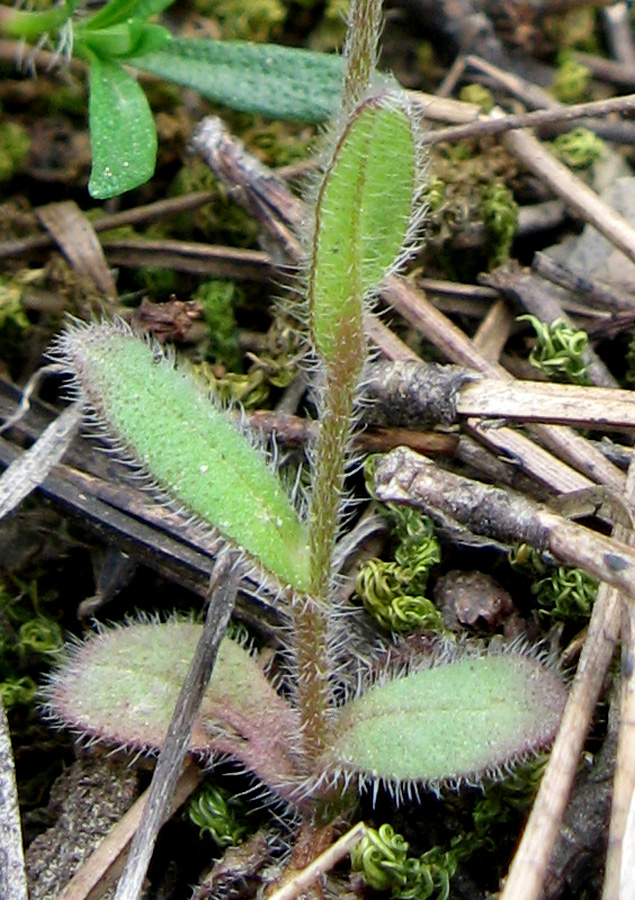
[[529, 866], [573, 190], [619, 875], [322, 864], [554, 115], [12, 872]]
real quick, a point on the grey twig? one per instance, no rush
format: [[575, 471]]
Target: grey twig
[[403, 476], [12, 873]]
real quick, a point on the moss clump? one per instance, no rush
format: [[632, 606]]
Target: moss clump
[[477, 93], [579, 148], [571, 82], [500, 214], [393, 593], [15, 144], [219, 299], [559, 351], [563, 594]]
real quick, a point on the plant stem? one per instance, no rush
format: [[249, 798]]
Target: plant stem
[[361, 50], [312, 618], [20, 23]]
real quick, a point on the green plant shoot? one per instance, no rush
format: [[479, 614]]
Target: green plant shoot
[[447, 723]]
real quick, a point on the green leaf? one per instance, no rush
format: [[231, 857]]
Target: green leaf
[[113, 13], [125, 39], [280, 82], [118, 11], [463, 720], [121, 685], [362, 217], [122, 132], [162, 418]]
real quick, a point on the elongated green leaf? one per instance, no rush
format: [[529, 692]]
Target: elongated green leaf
[[280, 82], [362, 217], [122, 132], [457, 721], [116, 12], [113, 13], [160, 417]]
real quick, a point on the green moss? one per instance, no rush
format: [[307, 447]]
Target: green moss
[[15, 144], [573, 29], [329, 34], [254, 20], [219, 813], [579, 148], [219, 221], [500, 214], [393, 593], [563, 594], [219, 298], [477, 93], [571, 82], [559, 351]]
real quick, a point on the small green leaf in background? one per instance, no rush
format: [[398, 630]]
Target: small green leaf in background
[[267, 79], [123, 134]]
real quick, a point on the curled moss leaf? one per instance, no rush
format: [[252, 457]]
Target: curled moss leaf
[[218, 813], [386, 591], [40, 635], [559, 351], [161, 419], [394, 592], [579, 148], [382, 858], [460, 721], [18, 691], [563, 593]]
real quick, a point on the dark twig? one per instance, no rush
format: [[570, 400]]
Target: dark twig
[[605, 296]]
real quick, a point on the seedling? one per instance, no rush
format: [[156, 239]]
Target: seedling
[[276, 81], [407, 724]]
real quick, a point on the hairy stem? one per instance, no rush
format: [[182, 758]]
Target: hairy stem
[[312, 618], [361, 50]]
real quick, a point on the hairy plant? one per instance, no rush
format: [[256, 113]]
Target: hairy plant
[[404, 722]]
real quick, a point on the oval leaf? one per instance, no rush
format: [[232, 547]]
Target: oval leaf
[[463, 720], [122, 133], [362, 217], [121, 685]]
